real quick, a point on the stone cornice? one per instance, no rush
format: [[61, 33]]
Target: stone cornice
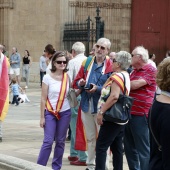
[[6, 4], [98, 4]]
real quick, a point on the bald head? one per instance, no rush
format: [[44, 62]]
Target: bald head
[[112, 55]]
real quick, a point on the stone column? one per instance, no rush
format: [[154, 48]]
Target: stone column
[[5, 6]]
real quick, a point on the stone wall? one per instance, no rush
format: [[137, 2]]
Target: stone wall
[[31, 24]]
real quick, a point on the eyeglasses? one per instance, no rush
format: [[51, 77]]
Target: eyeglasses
[[59, 62], [135, 54], [101, 47], [114, 60]]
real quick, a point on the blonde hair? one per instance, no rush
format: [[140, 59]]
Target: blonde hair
[[163, 75]]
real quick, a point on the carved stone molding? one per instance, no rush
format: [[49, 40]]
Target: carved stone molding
[[6, 4], [99, 4]]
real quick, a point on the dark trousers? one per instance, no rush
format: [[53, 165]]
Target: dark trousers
[[110, 134], [15, 100], [41, 77]]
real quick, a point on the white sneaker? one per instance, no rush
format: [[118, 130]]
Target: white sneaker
[[26, 87]]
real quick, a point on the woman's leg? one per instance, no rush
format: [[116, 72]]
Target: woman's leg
[[49, 135], [60, 136], [107, 134], [27, 74], [117, 150]]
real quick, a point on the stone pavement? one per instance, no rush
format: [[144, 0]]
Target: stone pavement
[[22, 136]]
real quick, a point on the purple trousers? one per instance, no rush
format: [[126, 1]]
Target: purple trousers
[[54, 130]]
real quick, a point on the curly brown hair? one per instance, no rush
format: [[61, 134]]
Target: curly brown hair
[[163, 75]]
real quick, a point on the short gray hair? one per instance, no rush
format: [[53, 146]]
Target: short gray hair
[[78, 47], [124, 58], [143, 52], [105, 41]]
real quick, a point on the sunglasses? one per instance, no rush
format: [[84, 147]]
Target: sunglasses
[[59, 62], [135, 54], [101, 47], [114, 60]]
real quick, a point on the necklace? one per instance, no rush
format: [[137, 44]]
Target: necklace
[[165, 93]]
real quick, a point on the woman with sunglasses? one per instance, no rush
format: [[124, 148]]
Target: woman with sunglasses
[[55, 111], [111, 134]]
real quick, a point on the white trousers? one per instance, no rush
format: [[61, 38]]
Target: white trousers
[[91, 130]]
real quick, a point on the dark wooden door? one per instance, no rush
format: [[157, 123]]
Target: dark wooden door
[[149, 26]]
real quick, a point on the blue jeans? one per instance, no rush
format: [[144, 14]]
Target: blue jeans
[[136, 143], [41, 77], [82, 155], [110, 134], [15, 100]]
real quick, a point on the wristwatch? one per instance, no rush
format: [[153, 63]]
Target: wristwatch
[[101, 112]]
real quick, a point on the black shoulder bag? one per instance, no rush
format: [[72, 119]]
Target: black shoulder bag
[[150, 127], [120, 111]]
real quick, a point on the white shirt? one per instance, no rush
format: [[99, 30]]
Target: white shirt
[[53, 92], [152, 63], [48, 71], [74, 65]]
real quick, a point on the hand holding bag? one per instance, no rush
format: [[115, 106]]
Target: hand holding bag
[[120, 111]]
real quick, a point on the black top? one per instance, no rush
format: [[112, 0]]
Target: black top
[[26, 60], [160, 122]]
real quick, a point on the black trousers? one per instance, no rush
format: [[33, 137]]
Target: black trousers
[[110, 134], [15, 100]]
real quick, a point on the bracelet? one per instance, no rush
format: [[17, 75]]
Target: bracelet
[[101, 112]]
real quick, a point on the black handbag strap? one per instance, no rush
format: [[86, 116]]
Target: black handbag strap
[[124, 82], [150, 127]]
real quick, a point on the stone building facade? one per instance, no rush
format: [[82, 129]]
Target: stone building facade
[[31, 24]]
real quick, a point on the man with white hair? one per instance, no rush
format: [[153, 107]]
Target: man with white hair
[[76, 157], [143, 86], [4, 88], [15, 60], [91, 77]]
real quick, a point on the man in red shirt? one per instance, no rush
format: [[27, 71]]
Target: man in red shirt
[[143, 86]]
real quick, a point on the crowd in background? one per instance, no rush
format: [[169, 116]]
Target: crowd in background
[[144, 137]]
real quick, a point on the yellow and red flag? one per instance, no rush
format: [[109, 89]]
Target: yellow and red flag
[[4, 87], [60, 101], [81, 141]]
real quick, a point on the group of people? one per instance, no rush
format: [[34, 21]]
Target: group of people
[[93, 78], [15, 62]]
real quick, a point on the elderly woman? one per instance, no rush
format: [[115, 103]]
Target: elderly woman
[[159, 119], [111, 134], [55, 111]]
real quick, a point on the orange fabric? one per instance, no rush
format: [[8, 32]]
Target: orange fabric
[[81, 141], [60, 100], [4, 89]]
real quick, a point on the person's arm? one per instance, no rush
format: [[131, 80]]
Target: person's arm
[[136, 84], [44, 95], [114, 95], [18, 59], [29, 57], [41, 60], [80, 80], [70, 70]]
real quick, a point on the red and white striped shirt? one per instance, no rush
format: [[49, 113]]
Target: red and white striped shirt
[[143, 96]]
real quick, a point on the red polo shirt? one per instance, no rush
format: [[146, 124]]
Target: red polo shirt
[[143, 97]]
